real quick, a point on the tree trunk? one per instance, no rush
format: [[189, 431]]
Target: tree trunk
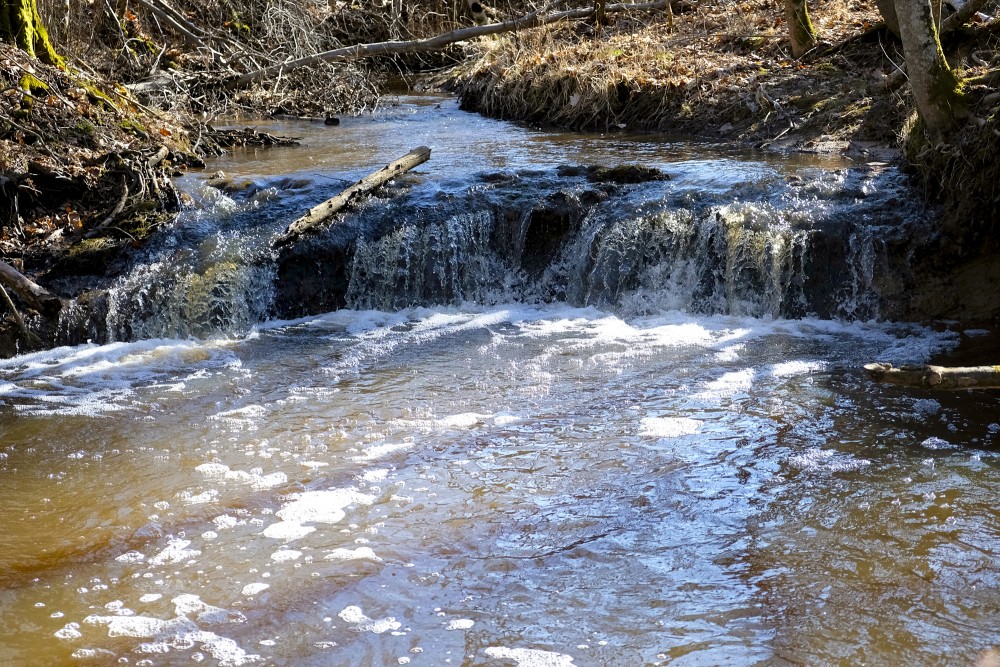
[[21, 25], [936, 89], [601, 12], [887, 8], [800, 28]]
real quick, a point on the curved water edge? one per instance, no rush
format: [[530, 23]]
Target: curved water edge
[[561, 421]]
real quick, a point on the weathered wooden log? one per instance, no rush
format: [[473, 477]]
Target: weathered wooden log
[[319, 215], [937, 377], [34, 295]]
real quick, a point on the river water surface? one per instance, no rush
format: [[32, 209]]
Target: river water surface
[[497, 482]]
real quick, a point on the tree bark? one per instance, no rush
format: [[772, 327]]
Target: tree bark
[[359, 51], [935, 87], [800, 28], [937, 377], [321, 214], [600, 12], [21, 25], [35, 296], [887, 8]]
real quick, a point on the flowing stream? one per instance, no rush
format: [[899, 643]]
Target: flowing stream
[[646, 449]]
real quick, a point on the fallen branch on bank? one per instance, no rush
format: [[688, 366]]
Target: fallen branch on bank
[[319, 215], [34, 295], [533, 20], [937, 377]]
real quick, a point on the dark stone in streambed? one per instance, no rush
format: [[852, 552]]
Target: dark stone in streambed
[[622, 174]]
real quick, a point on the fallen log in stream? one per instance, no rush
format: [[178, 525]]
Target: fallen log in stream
[[319, 215], [937, 377]]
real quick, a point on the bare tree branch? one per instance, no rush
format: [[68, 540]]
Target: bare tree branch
[[532, 20]]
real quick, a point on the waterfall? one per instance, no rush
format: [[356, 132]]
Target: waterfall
[[771, 250]]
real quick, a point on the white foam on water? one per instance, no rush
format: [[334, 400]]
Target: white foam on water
[[934, 442], [669, 427], [460, 624], [314, 507], [794, 368], [926, 406], [255, 478], [209, 496], [178, 633], [376, 452], [131, 557], [352, 554], [93, 380], [253, 589], [224, 521], [132, 626], [373, 476], [93, 654], [69, 631], [827, 460], [150, 597], [286, 555], [729, 384], [248, 412], [462, 420], [528, 657], [176, 551], [355, 616]]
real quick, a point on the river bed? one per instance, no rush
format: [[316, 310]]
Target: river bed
[[509, 482]]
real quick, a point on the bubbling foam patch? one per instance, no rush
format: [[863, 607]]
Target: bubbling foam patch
[[255, 478], [352, 554], [314, 507], [668, 427], [356, 617], [528, 657]]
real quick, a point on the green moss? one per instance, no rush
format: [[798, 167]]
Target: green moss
[[21, 25], [33, 85], [132, 125], [237, 27], [96, 96], [83, 128]]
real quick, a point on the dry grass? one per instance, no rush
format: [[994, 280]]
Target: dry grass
[[724, 72]]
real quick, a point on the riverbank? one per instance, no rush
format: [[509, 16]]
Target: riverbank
[[710, 73]]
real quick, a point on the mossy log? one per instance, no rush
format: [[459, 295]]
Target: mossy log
[[937, 377], [319, 215]]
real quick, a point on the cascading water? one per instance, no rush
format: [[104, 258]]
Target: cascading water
[[726, 236]]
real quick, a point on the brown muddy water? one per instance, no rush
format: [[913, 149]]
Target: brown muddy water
[[497, 482]]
